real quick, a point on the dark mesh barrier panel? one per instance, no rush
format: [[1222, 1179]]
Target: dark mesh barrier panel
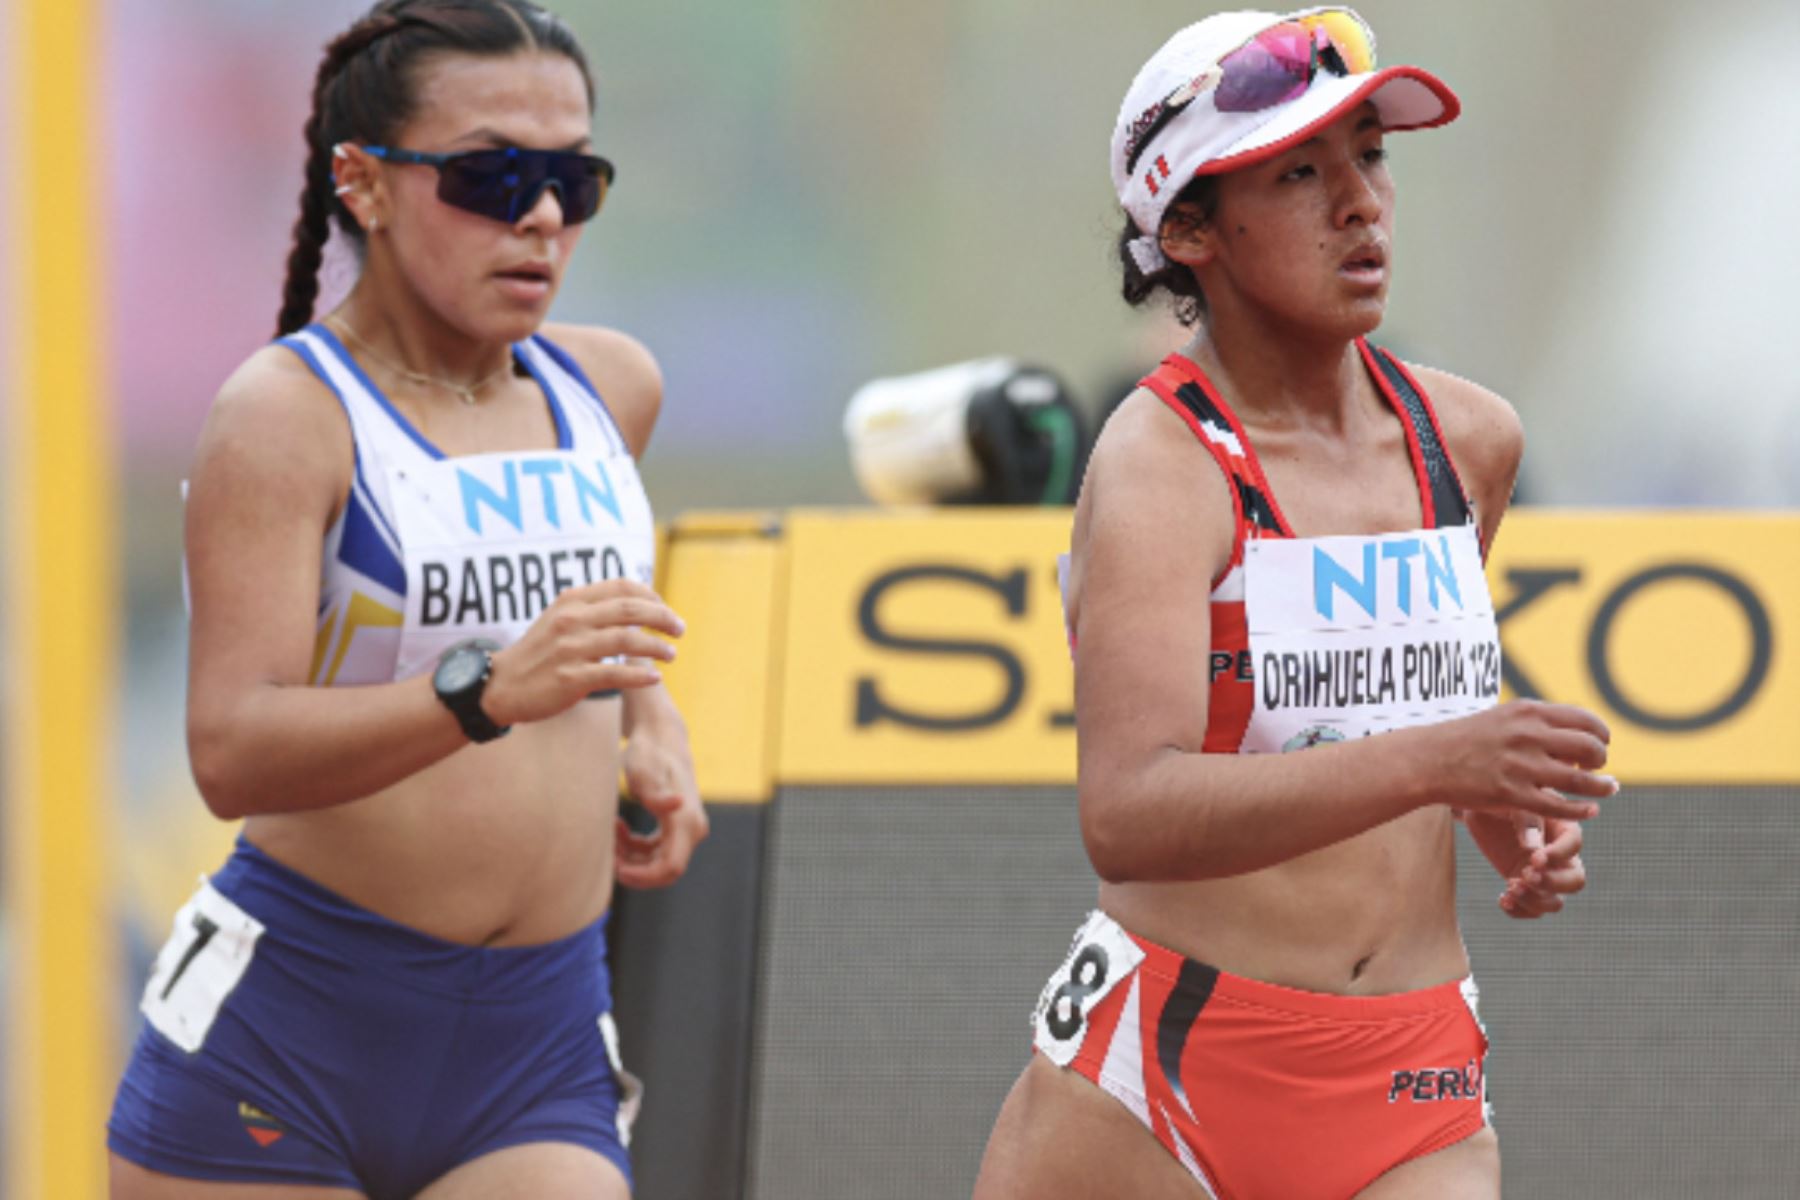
[[1646, 1042], [683, 959]]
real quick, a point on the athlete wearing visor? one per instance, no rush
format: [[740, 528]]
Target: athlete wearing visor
[[424, 651], [1287, 675]]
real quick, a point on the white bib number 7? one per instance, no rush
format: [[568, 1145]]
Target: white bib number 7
[[204, 959]]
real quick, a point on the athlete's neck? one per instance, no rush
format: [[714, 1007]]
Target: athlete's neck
[[1280, 382], [410, 335]]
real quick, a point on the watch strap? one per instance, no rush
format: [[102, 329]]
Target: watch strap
[[465, 702]]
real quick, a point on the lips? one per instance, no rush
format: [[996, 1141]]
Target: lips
[[1371, 256], [530, 283], [528, 272]]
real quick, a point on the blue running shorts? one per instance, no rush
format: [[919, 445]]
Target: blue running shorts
[[293, 1037]]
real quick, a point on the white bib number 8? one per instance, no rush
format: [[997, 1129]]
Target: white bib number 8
[[1101, 956], [204, 959]]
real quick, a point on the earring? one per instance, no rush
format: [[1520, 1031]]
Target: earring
[[374, 224]]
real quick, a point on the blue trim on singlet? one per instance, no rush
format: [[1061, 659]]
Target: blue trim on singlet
[[359, 483], [355, 368], [359, 488], [563, 440], [566, 361], [362, 549]]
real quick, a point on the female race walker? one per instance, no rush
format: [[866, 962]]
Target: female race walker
[[419, 555], [1278, 548]]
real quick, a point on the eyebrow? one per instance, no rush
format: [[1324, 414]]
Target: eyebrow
[[485, 134]]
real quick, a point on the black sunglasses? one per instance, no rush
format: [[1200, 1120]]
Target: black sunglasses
[[507, 184]]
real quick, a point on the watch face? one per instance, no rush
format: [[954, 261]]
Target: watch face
[[460, 669]]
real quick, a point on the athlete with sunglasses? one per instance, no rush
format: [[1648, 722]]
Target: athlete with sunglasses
[[420, 560], [1277, 555]]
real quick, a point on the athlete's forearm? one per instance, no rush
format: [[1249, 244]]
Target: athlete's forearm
[[1179, 815], [273, 748], [651, 710]]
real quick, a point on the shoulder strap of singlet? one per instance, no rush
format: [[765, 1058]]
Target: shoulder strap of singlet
[[1178, 384], [374, 421], [1449, 503], [557, 363]]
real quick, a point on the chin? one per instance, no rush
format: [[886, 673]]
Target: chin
[[1334, 316], [512, 326], [1361, 318]]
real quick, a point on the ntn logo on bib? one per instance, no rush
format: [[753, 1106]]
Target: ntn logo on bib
[[568, 484], [1348, 582], [490, 541], [1355, 635]]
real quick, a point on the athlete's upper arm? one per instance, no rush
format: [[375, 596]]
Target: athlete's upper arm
[[623, 371], [1153, 529], [273, 464], [1485, 438]]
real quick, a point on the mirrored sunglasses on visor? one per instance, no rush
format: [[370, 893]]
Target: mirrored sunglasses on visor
[[506, 184], [1274, 67]]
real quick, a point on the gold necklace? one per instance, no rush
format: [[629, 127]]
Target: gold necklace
[[466, 393]]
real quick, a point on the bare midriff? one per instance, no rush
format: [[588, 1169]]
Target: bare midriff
[[1373, 915], [505, 844]]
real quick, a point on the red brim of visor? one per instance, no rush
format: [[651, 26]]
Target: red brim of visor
[[1404, 98]]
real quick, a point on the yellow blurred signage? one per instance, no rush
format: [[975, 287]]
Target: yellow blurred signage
[[929, 647], [926, 648], [1677, 628]]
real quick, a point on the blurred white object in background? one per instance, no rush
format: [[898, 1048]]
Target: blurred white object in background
[[988, 431], [909, 439]]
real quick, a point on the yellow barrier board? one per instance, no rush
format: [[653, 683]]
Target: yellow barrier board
[[928, 647], [1678, 628], [724, 575]]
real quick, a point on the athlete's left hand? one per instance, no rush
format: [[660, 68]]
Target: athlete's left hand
[[1539, 857], [659, 774]]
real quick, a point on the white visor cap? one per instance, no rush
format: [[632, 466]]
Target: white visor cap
[[1201, 140]]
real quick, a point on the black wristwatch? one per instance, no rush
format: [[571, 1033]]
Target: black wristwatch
[[461, 676]]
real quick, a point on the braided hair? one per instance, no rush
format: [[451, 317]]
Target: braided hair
[[364, 92]]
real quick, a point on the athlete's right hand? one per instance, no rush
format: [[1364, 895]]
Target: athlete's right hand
[[560, 659], [1526, 755]]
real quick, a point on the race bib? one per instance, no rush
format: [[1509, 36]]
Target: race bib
[[1101, 956], [203, 961], [631, 1088], [1351, 636], [491, 539]]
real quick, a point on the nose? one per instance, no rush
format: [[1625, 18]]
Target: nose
[[542, 209], [1358, 200]]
